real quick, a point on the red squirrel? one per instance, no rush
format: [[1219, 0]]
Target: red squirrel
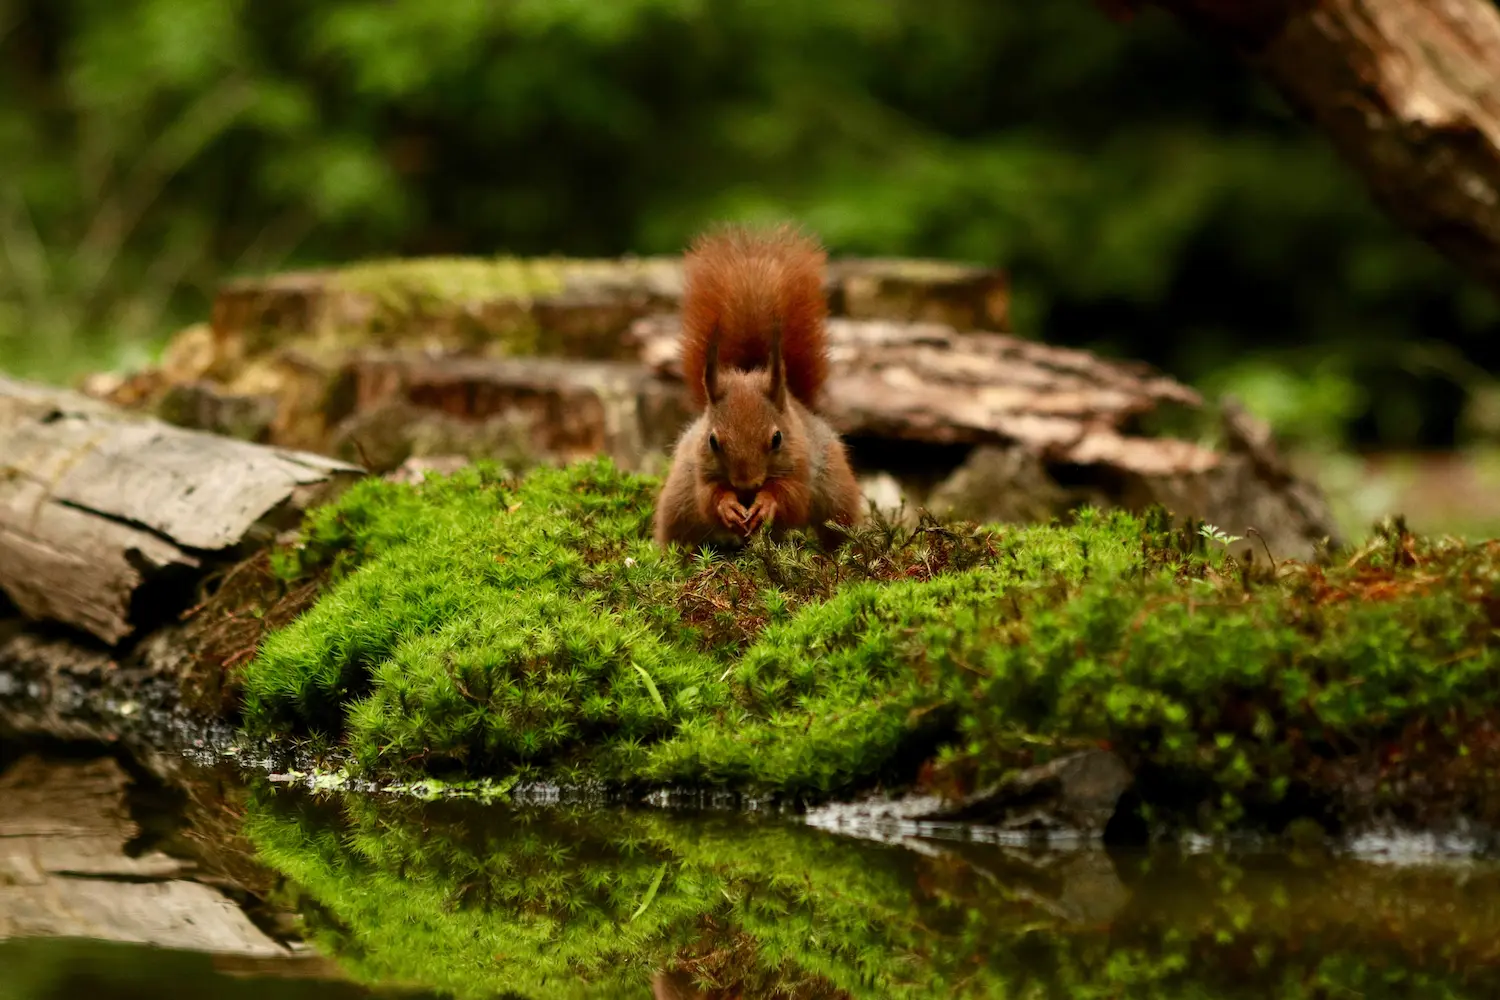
[[754, 355]]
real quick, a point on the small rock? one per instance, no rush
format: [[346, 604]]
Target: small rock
[[998, 485], [101, 385], [203, 405], [415, 469], [885, 493]]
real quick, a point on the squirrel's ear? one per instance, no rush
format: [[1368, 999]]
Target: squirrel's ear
[[777, 392], [711, 365]]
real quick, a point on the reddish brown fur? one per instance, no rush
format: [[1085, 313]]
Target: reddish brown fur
[[741, 279], [757, 455]]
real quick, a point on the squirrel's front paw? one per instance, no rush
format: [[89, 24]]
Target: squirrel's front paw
[[760, 512], [732, 514]]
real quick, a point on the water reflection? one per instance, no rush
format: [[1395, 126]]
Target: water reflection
[[195, 884], [117, 883], [477, 901]]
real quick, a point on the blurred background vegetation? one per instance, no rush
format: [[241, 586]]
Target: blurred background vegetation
[[1149, 196]]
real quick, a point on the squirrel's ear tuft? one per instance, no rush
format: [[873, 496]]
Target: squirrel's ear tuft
[[777, 392], [711, 366]]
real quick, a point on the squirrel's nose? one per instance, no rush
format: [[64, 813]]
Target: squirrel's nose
[[745, 482]]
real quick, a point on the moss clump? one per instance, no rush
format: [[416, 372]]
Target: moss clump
[[432, 282], [438, 295], [529, 627], [454, 629], [486, 303], [564, 903]]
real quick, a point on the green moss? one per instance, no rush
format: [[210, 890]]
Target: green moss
[[484, 302], [529, 628], [560, 903], [427, 283], [418, 292]]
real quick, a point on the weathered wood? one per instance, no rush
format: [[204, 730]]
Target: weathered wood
[[1408, 92], [927, 382], [541, 361], [204, 405], [263, 368], [97, 505]]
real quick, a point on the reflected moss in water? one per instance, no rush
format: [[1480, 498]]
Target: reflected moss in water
[[477, 901]]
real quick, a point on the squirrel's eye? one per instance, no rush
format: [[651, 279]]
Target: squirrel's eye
[[713, 441], [775, 440]]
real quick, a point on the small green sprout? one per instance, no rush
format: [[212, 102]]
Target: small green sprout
[[1214, 534]]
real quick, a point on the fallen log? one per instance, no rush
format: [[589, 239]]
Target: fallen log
[[550, 361], [107, 518]]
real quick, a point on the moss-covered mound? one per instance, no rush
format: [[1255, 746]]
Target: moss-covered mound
[[530, 628], [558, 903]]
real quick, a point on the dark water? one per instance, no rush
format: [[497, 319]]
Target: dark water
[[78, 969], [116, 884]]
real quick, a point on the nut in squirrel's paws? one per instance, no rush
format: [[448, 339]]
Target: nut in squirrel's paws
[[761, 512]]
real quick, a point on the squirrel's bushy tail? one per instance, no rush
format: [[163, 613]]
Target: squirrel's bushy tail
[[740, 281]]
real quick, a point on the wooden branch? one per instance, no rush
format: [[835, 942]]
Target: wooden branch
[[1408, 91], [95, 505]]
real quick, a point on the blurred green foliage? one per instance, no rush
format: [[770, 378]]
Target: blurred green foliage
[[1149, 195]]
